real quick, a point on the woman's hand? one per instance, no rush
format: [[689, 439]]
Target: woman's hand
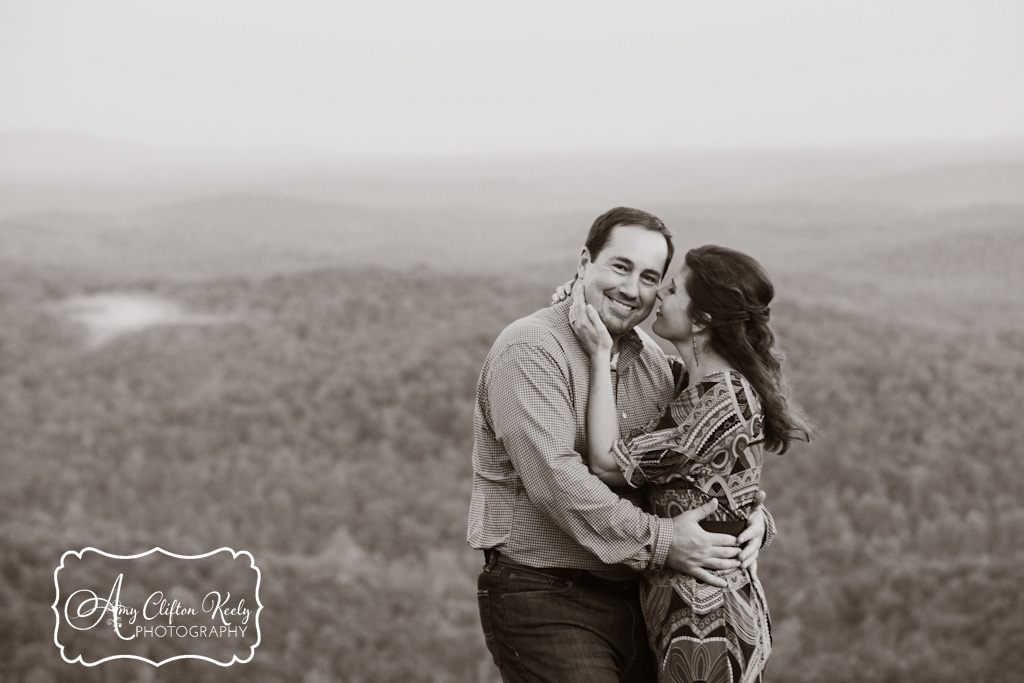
[[563, 291], [589, 327]]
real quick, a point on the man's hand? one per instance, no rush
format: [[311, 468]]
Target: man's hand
[[695, 551], [753, 535]]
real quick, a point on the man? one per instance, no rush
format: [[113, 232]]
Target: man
[[559, 589]]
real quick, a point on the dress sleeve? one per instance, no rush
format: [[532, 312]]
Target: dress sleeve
[[657, 456]]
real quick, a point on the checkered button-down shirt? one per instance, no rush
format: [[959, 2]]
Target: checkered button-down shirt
[[534, 498]]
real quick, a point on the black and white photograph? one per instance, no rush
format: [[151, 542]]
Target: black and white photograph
[[558, 342]]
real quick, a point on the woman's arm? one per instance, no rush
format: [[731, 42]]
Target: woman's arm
[[602, 418], [602, 422]]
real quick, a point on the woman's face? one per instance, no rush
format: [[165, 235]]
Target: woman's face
[[672, 321]]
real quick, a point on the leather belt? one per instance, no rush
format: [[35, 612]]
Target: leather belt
[[731, 527], [578, 576]]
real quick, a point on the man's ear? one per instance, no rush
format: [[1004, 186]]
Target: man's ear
[[584, 262]]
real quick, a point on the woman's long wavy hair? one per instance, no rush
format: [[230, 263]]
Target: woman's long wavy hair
[[730, 293]]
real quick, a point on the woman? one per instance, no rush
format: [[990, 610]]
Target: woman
[[708, 443]]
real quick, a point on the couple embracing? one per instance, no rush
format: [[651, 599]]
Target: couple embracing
[[616, 493]]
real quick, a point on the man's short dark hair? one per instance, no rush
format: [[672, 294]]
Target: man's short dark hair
[[601, 230]]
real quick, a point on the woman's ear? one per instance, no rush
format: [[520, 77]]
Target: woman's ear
[[701, 323]]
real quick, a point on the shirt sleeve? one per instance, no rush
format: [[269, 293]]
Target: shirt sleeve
[[532, 415]]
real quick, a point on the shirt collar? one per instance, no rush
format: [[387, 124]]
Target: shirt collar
[[630, 346]]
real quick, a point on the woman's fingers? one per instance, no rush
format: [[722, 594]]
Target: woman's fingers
[[588, 321], [578, 311], [563, 291], [577, 293], [600, 330], [595, 318], [587, 324]]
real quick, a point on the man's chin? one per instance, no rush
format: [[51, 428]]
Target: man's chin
[[619, 326]]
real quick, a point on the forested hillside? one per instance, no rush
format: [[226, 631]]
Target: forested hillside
[[313, 405], [325, 427]]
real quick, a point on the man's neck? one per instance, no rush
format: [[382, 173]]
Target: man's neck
[[617, 343]]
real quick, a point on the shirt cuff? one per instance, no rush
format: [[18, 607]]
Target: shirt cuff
[[662, 541]]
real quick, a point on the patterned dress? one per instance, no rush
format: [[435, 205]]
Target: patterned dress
[[707, 443]]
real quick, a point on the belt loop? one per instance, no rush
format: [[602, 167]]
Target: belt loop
[[490, 558]]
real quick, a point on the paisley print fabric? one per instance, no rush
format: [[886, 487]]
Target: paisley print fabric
[[707, 443]]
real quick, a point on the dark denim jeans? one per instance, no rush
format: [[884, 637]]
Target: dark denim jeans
[[563, 627]]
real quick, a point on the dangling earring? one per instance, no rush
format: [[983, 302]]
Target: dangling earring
[[693, 338]]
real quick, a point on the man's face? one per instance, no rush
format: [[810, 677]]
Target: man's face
[[621, 282]]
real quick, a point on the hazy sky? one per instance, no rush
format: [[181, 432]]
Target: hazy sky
[[446, 76]]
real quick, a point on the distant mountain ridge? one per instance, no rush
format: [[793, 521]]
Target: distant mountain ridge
[[929, 176], [32, 157], [40, 155]]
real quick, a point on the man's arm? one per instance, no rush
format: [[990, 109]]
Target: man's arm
[[532, 414]]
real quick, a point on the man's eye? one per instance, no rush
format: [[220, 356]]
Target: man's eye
[[618, 267], [651, 280]]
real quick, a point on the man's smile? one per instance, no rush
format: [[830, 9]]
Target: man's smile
[[621, 305]]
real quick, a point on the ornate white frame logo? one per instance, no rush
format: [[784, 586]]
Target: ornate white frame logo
[[80, 659]]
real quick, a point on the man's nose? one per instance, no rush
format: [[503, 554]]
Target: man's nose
[[630, 286]]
